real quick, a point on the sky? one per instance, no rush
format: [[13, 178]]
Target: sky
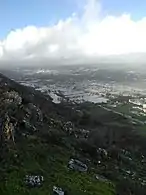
[[67, 29]]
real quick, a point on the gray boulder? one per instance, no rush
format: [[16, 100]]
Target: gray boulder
[[77, 165]]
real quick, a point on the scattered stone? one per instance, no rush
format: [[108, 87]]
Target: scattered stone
[[58, 191], [103, 151], [101, 178], [34, 180], [102, 154], [77, 165], [68, 127], [143, 182], [128, 172], [85, 133]]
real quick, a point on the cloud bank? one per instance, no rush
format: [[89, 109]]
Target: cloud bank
[[90, 35]]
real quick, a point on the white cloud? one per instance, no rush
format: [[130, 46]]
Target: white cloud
[[88, 35]]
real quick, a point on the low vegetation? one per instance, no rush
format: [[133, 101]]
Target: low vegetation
[[39, 138]]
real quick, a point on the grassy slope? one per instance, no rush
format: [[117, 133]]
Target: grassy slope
[[32, 155], [36, 157]]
